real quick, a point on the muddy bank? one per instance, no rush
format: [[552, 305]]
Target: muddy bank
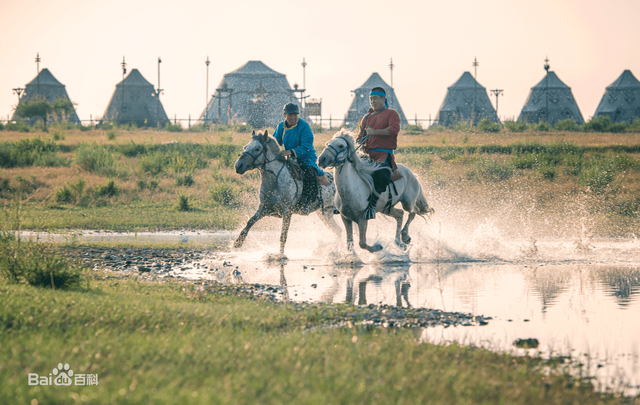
[[160, 265]]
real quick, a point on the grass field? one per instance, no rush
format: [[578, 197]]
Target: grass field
[[152, 180], [170, 343]]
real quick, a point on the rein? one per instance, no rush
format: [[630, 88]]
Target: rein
[[348, 155], [262, 166]]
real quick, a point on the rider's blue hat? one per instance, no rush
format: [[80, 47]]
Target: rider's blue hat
[[291, 108]]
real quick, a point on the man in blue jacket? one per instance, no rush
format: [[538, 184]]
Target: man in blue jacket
[[295, 135]]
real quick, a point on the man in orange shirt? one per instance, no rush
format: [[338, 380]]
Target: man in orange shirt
[[381, 125]]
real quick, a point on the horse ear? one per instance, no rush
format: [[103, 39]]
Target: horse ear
[[266, 135], [253, 133]]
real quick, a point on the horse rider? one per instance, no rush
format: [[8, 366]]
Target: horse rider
[[380, 127], [296, 136]]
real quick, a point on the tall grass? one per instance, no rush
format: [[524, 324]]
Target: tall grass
[[98, 159], [26, 152]]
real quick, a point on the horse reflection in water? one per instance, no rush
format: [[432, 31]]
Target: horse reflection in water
[[280, 191]]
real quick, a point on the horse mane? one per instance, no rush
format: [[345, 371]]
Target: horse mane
[[271, 143], [362, 164]]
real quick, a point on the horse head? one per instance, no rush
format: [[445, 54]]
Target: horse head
[[256, 153], [338, 150]]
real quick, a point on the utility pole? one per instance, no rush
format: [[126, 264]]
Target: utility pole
[[497, 93], [158, 92], [38, 73], [304, 86], [391, 65], [18, 91], [546, 68], [207, 62], [124, 72], [475, 85]]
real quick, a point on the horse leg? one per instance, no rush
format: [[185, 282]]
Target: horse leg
[[362, 228], [348, 226], [286, 221], [329, 222], [398, 215], [405, 230], [243, 235]]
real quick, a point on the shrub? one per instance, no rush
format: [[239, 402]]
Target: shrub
[[548, 172], [97, 159], [597, 124], [185, 180], [1, 126], [199, 128], [490, 170], [25, 152], [486, 125], [541, 126], [225, 193], [64, 195], [317, 129], [173, 127], [464, 126], [635, 125], [111, 135], [525, 161], [183, 203], [599, 176], [107, 190], [36, 264], [153, 163], [132, 149], [567, 125], [618, 127], [516, 126], [58, 135], [437, 128]]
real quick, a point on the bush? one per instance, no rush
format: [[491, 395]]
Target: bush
[[437, 128], [567, 125], [64, 195], [516, 126], [132, 149], [97, 159], [490, 170], [525, 161], [599, 176], [317, 129], [183, 203], [548, 172], [111, 135], [36, 264], [225, 193], [185, 180], [1, 126], [173, 127], [58, 135], [107, 190], [618, 127], [597, 124], [486, 125], [541, 126], [464, 126], [25, 152]]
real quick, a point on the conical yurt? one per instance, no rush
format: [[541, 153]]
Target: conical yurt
[[561, 104], [254, 93], [135, 101], [46, 85], [360, 104], [621, 100], [463, 98]]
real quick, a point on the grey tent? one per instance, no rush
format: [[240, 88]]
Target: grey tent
[[135, 100], [621, 101], [561, 104], [254, 93], [360, 104], [463, 98], [45, 85]]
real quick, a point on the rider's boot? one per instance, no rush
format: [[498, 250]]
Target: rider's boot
[[370, 211]]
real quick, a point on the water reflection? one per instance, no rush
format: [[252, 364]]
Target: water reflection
[[622, 284]]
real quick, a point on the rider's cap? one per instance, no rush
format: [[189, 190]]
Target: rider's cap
[[291, 108]]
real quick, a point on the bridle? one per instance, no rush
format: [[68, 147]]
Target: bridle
[[262, 165], [339, 162]]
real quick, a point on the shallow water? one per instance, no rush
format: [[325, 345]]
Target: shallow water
[[578, 297]]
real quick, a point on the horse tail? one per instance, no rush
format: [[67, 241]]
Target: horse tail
[[422, 205]]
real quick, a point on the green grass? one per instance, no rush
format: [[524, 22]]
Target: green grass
[[134, 216], [169, 343]]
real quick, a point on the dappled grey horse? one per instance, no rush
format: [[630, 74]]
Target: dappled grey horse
[[279, 190], [354, 182]]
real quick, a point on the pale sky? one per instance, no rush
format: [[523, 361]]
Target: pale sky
[[589, 43]]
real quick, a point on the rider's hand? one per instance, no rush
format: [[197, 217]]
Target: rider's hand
[[285, 153], [368, 131]]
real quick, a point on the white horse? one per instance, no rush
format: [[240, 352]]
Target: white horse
[[353, 175], [279, 190]]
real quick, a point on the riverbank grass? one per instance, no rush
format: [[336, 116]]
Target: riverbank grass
[[173, 342]]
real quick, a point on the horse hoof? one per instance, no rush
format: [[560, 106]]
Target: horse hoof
[[375, 248], [406, 238], [237, 244]]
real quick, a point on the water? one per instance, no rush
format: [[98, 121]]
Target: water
[[578, 296]]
